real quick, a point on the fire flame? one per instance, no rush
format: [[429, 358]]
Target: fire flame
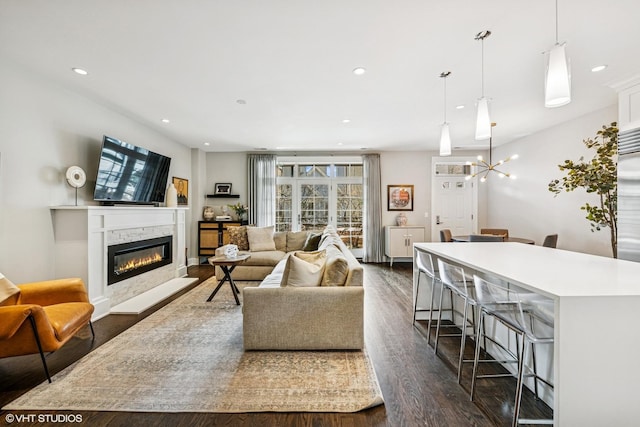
[[137, 263]]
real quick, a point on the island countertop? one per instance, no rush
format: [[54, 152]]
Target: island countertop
[[551, 272], [596, 340]]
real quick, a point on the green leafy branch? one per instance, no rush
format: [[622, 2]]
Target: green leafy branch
[[599, 176]]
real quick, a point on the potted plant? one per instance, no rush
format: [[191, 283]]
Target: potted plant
[[240, 210], [599, 176]]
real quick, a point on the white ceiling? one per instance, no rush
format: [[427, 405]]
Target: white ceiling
[[291, 61]]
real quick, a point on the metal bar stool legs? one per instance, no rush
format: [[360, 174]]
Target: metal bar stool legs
[[456, 282], [512, 310]]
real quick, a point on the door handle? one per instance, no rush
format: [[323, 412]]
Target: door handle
[[438, 220]]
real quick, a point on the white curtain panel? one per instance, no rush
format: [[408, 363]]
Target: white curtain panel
[[262, 189], [373, 242]]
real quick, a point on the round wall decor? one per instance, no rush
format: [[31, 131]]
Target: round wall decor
[[76, 177]]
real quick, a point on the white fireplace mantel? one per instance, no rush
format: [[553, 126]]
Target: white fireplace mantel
[[81, 236]]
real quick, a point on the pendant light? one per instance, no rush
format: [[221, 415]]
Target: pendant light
[[483, 120], [445, 137], [557, 82]]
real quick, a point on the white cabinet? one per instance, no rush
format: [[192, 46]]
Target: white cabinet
[[629, 104], [399, 240]]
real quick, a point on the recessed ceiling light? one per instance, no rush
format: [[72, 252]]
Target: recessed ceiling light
[[166, 121], [459, 107], [359, 71], [598, 68], [346, 121], [241, 101], [80, 71], [340, 143], [207, 144]]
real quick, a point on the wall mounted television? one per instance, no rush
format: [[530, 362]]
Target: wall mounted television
[[130, 174]]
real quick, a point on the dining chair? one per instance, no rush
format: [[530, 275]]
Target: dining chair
[[445, 235], [550, 241], [531, 318], [497, 231], [485, 238], [457, 283]]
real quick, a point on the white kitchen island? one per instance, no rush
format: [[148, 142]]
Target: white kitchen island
[[597, 308]]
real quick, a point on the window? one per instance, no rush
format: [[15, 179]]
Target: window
[[313, 194]]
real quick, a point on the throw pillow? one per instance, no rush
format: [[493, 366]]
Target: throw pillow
[[336, 269], [238, 237], [304, 269], [261, 239], [295, 240], [7, 291], [312, 242]]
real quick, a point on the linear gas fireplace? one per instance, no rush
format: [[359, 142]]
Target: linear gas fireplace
[[127, 260]]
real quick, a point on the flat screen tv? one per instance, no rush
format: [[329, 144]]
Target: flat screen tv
[[130, 174]]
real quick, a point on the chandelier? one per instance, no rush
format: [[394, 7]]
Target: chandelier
[[484, 167]]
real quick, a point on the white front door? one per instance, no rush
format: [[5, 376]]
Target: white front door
[[454, 200]]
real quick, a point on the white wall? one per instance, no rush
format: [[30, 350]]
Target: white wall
[[226, 168], [44, 129], [408, 167], [414, 167], [527, 208]]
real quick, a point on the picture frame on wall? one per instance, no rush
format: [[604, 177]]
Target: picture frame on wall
[[182, 186], [223, 188], [400, 197]]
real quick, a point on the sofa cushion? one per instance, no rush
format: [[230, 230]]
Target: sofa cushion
[[280, 239], [295, 240], [266, 258], [336, 267], [304, 269], [312, 242], [238, 236], [329, 240], [8, 291], [261, 239]]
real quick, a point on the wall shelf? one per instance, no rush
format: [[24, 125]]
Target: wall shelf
[[223, 196]]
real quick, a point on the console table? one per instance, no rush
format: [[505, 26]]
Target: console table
[[597, 343], [212, 235]]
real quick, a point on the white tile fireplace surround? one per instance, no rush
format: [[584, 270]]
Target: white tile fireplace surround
[[83, 233]]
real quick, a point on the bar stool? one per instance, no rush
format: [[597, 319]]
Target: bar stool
[[424, 263], [519, 312], [457, 283]]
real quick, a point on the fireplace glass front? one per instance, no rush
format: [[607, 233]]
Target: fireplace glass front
[[127, 260]]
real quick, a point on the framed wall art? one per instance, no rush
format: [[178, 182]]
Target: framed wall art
[[223, 188], [400, 197], [182, 186]]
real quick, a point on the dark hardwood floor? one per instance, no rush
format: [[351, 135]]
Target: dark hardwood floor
[[419, 388]]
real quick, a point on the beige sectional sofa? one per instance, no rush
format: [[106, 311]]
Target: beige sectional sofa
[[324, 316], [261, 262]]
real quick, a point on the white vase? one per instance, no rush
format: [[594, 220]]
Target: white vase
[[171, 198], [401, 220]]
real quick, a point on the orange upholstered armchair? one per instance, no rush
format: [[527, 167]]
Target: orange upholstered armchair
[[42, 316]]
